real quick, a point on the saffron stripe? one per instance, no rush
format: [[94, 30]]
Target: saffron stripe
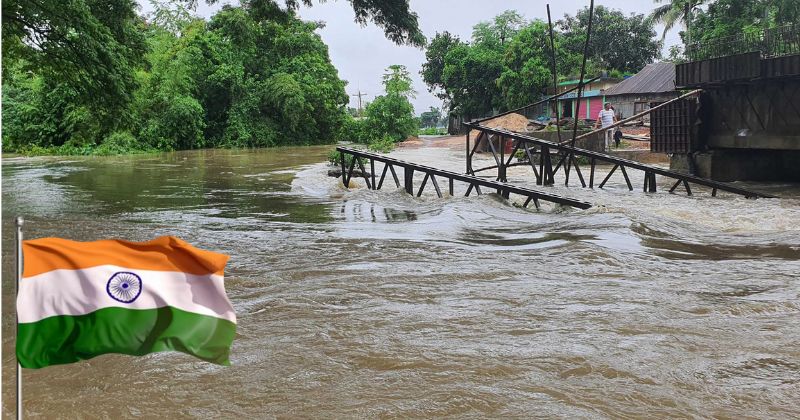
[[166, 253]]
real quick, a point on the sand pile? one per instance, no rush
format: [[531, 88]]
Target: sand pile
[[511, 122], [411, 141]]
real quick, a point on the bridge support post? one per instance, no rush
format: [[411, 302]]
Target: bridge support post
[[469, 155], [408, 179], [546, 167], [501, 168], [653, 183]]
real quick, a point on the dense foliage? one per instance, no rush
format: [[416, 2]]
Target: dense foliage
[[618, 42], [395, 17], [91, 76], [507, 62], [88, 49], [728, 17], [705, 21]]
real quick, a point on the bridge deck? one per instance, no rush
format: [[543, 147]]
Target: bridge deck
[[546, 172], [475, 183]]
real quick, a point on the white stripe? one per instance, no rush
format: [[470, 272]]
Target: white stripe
[[79, 292]]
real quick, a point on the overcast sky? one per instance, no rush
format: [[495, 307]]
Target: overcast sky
[[363, 53]]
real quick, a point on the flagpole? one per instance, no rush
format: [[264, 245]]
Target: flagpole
[[20, 222]]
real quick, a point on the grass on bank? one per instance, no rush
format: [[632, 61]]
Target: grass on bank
[[121, 143]]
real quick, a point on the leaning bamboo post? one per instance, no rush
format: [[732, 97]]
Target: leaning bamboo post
[[580, 90], [554, 71], [637, 116]]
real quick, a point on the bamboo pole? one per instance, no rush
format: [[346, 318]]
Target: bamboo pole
[[580, 79], [554, 70]]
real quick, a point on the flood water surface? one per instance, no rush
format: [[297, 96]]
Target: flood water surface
[[359, 303]]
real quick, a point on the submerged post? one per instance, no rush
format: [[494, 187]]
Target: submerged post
[[20, 222]]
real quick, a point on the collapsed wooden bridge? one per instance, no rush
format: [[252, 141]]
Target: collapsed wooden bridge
[[567, 158], [474, 183]]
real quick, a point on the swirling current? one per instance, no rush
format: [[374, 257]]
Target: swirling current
[[372, 304]]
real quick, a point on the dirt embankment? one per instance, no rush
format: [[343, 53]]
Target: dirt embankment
[[452, 142]]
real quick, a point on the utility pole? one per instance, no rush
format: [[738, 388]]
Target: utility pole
[[360, 114]]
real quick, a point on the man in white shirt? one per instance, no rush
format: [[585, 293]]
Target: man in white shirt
[[606, 117]]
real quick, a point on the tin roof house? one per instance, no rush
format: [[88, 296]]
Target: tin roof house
[[655, 83]]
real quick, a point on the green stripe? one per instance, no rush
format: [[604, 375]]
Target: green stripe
[[67, 339]]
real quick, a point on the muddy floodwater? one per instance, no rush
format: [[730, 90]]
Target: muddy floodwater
[[374, 304]]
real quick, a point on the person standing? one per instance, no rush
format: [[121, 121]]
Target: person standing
[[606, 117]]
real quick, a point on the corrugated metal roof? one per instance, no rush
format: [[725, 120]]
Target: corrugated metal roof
[[653, 78]]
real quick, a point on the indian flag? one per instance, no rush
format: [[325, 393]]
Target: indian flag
[[78, 300]]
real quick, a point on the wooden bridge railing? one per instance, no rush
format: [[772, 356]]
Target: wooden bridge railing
[[375, 181], [546, 171]]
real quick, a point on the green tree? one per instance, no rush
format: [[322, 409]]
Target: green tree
[[38, 112], [495, 33], [391, 116], [618, 42], [674, 12], [470, 74], [171, 15], [430, 118], [505, 65], [526, 65], [399, 23], [247, 78], [85, 72], [90, 47], [397, 81], [433, 68], [784, 12], [676, 55], [266, 79], [724, 18]]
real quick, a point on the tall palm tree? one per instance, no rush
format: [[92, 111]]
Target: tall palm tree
[[673, 12]]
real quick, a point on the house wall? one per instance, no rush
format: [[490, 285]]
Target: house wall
[[592, 102], [590, 107], [625, 104], [597, 106]]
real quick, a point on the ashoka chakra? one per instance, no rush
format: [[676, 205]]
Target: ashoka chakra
[[124, 287]]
